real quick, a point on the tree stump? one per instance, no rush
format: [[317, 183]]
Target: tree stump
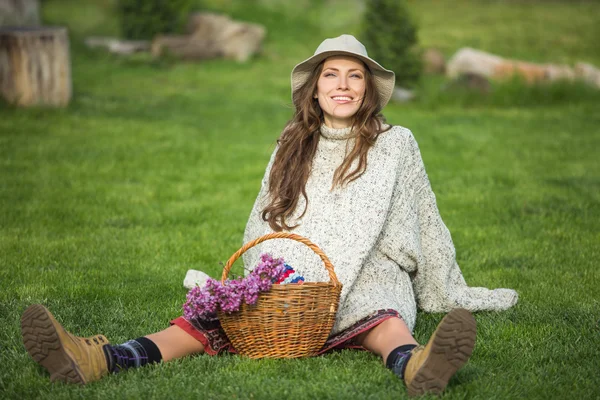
[[35, 66]]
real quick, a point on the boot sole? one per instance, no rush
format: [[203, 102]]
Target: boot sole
[[42, 342], [451, 348]]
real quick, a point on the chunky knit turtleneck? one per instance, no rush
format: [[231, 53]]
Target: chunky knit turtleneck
[[382, 232], [336, 133]]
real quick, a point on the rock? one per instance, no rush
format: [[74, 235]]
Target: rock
[[118, 46], [212, 35], [19, 13], [588, 73], [434, 62], [471, 61], [402, 95]]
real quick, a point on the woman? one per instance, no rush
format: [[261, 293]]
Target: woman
[[358, 188]]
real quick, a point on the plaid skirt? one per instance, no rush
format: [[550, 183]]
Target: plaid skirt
[[212, 336]]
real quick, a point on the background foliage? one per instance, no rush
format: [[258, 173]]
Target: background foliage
[[390, 36], [143, 19]]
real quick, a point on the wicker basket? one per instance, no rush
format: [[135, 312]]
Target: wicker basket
[[288, 321]]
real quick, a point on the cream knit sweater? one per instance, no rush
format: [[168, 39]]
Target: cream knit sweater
[[383, 233]]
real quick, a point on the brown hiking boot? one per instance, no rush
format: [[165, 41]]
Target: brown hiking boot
[[430, 367], [67, 358]]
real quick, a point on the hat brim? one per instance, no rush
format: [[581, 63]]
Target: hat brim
[[384, 79]]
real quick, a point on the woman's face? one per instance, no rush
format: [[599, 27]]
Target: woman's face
[[340, 90]]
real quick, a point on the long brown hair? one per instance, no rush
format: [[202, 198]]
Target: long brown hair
[[298, 144]]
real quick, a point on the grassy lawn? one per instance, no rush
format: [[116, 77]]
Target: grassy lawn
[[154, 167]]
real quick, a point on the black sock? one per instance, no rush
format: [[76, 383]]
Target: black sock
[[398, 359], [131, 354]]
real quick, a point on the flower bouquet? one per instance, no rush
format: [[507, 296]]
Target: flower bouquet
[[203, 302]]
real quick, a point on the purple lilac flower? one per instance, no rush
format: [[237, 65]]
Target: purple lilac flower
[[200, 302], [203, 302], [252, 289]]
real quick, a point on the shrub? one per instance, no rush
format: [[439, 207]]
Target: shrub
[[390, 37], [143, 19]]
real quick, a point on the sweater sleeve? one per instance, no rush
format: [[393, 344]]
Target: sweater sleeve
[[418, 240]]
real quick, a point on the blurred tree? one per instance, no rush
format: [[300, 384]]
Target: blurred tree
[[390, 36], [19, 13], [142, 19]]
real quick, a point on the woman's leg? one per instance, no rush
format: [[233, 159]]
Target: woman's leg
[[175, 343], [74, 359], [387, 336], [424, 369]]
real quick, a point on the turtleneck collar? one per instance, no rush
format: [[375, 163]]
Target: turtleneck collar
[[336, 134]]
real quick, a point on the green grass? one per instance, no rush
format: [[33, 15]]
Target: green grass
[[154, 167]]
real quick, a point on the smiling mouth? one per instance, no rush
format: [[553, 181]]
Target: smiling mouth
[[341, 99]]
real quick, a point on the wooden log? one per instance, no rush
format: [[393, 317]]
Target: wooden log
[[118, 46], [472, 61], [433, 61], [234, 40], [185, 47], [475, 62], [588, 73], [35, 66], [531, 73]]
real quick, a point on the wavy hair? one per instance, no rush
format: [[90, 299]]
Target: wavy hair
[[298, 144]]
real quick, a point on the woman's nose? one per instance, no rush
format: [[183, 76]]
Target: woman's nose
[[343, 83]]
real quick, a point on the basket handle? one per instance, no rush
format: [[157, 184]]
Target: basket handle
[[282, 235]]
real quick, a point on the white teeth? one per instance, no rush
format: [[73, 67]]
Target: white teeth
[[342, 98]]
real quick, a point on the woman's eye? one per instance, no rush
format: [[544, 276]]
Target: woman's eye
[[327, 74], [357, 76]]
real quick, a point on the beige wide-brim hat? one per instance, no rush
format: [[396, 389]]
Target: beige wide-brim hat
[[346, 45]]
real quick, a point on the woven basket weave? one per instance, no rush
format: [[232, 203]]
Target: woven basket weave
[[288, 321]]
